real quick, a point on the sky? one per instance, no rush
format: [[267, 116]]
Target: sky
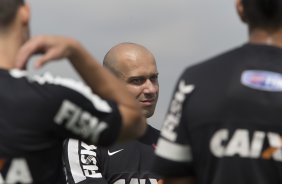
[[179, 33]]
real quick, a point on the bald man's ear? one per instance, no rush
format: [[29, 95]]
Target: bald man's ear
[[24, 13], [240, 10]]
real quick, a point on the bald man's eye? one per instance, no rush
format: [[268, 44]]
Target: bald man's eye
[[154, 79], [137, 81]]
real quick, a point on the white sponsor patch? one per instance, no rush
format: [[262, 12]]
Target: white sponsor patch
[[262, 80]]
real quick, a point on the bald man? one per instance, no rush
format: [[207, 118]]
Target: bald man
[[127, 163]]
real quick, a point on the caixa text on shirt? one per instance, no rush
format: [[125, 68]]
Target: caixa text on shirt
[[259, 144], [17, 171], [79, 122]]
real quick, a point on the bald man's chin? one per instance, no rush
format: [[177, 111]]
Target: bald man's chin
[[148, 113]]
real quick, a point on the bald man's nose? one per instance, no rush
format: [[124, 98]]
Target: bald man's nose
[[151, 87]]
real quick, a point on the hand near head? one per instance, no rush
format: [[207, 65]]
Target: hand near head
[[100, 80], [51, 48]]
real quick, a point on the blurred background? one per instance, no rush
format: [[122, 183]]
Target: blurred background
[[179, 33]]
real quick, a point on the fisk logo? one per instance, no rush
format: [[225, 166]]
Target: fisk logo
[[174, 115], [88, 161], [223, 144], [80, 122], [18, 172]]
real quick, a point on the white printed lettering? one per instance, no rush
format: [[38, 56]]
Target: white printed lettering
[[216, 145], [120, 181], [88, 160], [244, 146], [257, 144], [153, 181], [137, 181], [239, 144], [65, 112], [275, 142], [79, 122], [134, 181], [173, 117], [1, 179], [18, 172]]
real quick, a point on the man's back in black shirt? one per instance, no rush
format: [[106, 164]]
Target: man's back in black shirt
[[36, 115], [224, 122]]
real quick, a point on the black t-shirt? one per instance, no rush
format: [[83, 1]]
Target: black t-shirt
[[224, 121], [127, 163], [37, 114]]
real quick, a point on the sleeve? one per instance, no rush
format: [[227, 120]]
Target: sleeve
[[77, 112], [173, 154], [81, 163]]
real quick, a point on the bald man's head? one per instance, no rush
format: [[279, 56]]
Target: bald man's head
[[122, 53], [136, 66]]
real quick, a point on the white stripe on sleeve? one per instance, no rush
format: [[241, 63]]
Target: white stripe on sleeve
[[73, 159], [77, 86], [173, 151]]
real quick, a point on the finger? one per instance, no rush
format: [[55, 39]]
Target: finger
[[50, 55], [22, 58], [27, 50]]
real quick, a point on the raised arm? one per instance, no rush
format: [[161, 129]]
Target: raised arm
[[96, 77]]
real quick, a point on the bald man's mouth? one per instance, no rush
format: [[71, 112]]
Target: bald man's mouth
[[148, 102]]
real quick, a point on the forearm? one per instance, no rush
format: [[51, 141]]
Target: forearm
[[101, 81]]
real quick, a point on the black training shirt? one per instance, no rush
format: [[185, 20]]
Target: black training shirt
[[127, 163], [37, 114], [224, 123]]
